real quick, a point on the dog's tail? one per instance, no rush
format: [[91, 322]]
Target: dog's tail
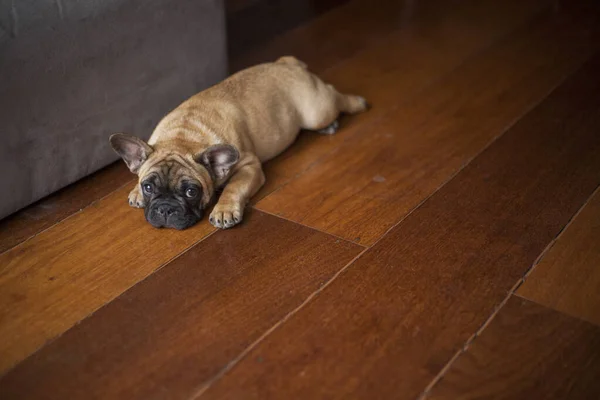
[[291, 60]]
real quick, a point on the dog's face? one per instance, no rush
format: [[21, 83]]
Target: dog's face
[[176, 184], [175, 195]]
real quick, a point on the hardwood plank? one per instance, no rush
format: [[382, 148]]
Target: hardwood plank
[[568, 277], [376, 177], [58, 206], [172, 332], [527, 352], [435, 39], [389, 323], [62, 275]]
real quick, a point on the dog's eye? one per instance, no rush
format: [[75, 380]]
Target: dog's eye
[[191, 192], [147, 188]]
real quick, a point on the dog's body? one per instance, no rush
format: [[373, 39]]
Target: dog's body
[[221, 136]]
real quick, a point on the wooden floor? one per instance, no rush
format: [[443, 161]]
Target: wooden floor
[[443, 245]]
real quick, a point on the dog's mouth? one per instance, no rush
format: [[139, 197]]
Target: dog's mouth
[[169, 214]]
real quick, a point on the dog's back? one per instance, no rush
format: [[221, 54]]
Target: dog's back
[[260, 109]]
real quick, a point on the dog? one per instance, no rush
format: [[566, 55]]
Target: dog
[[219, 138]]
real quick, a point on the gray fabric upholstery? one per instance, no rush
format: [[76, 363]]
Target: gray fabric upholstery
[[72, 72]]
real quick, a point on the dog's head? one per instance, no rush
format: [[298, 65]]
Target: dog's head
[[177, 183]]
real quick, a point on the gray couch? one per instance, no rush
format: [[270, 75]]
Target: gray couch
[[72, 72]]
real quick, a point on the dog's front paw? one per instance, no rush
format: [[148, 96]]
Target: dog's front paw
[[136, 199], [226, 215]]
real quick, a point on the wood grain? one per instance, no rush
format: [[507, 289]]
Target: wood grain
[[174, 331], [568, 277], [527, 352], [387, 325], [62, 275], [431, 41], [58, 206], [376, 177]]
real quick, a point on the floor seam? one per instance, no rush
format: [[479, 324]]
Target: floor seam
[[91, 314], [550, 308], [511, 293], [68, 216], [206, 385], [555, 239], [311, 228], [464, 348]]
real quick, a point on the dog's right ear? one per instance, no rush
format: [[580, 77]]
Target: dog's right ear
[[134, 151], [219, 159]]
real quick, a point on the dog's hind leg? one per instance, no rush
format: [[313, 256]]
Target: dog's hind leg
[[349, 103], [321, 115], [330, 129]]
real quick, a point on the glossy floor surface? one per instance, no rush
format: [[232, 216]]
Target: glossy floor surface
[[443, 245]]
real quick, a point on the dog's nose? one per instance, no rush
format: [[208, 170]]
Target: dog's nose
[[166, 210]]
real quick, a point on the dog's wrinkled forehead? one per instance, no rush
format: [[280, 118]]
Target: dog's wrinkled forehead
[[174, 175], [168, 174]]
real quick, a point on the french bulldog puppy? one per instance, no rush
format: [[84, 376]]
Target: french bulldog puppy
[[219, 138]]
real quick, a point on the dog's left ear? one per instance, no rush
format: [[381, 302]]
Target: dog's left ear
[[218, 159], [134, 151]]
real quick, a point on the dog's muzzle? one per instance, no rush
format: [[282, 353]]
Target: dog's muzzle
[[169, 214]]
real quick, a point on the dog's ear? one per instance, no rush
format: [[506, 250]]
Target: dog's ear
[[218, 159], [134, 151]]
